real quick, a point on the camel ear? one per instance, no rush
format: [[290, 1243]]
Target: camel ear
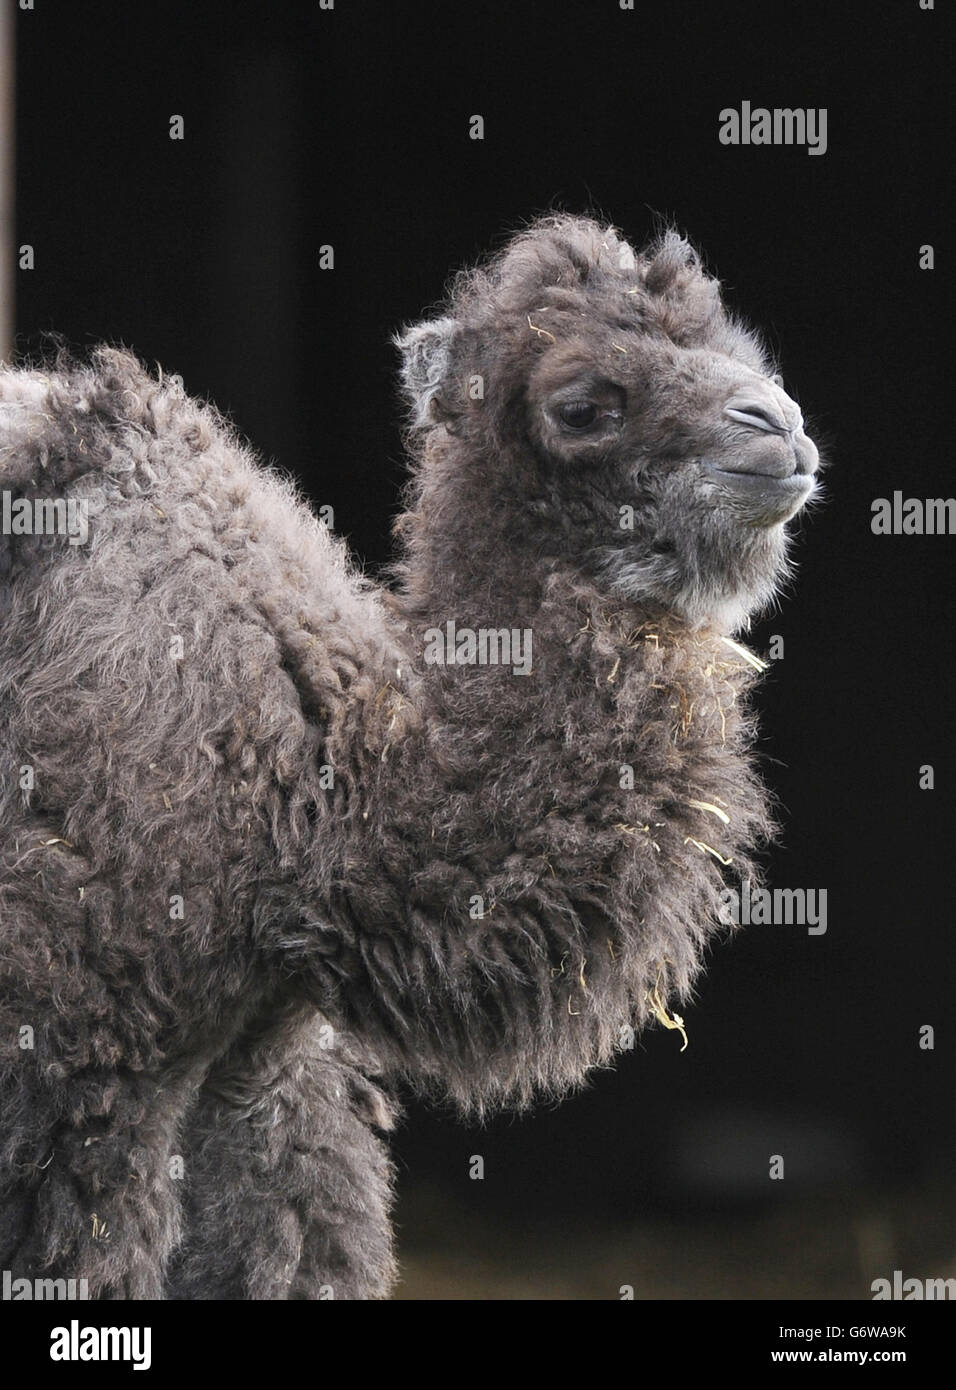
[[675, 267], [615, 252], [427, 350]]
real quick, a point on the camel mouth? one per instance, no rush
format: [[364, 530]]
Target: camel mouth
[[777, 498], [748, 478]]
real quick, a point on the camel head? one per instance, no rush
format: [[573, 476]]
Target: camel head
[[593, 406]]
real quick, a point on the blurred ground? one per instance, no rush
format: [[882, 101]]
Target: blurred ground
[[808, 1249]]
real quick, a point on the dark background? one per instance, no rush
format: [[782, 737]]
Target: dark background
[[349, 127]]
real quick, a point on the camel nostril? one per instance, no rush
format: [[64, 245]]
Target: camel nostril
[[759, 417]]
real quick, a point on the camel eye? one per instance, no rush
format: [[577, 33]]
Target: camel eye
[[578, 415]]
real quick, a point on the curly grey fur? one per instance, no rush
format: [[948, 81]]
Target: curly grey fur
[[218, 710]]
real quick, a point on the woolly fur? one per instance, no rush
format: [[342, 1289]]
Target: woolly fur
[[238, 887]]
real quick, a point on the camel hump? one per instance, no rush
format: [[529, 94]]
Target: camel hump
[[69, 417]]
